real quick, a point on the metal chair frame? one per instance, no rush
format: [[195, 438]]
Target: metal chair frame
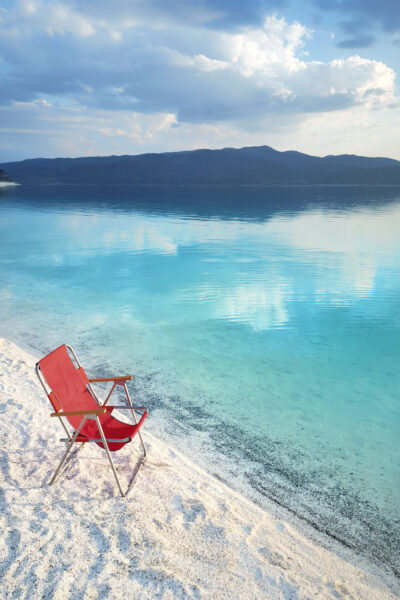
[[94, 415]]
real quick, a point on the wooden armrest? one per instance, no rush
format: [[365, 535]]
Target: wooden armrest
[[70, 413], [121, 378]]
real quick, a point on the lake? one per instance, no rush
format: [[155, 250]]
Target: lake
[[262, 326]]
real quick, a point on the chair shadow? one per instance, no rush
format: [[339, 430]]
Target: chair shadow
[[139, 463], [67, 463], [128, 477]]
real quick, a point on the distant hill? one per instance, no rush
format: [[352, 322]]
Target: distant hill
[[259, 165]]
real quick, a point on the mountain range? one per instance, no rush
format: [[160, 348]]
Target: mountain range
[[258, 165]]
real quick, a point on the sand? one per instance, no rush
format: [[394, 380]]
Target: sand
[[178, 534]]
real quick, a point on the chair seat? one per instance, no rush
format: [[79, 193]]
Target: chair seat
[[113, 429]]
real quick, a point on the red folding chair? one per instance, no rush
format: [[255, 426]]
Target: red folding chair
[[72, 396]]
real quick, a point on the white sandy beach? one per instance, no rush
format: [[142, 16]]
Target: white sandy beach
[[178, 534]]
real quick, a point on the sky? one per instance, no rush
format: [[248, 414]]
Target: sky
[[95, 77]]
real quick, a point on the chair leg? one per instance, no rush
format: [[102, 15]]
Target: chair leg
[[143, 446], [68, 450], [109, 455], [135, 418]]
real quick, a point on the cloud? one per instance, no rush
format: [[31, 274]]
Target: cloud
[[222, 76], [54, 18], [215, 14], [363, 19], [385, 12], [362, 41]]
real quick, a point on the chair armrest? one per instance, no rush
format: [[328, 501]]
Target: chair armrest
[[127, 407], [102, 379], [70, 413]]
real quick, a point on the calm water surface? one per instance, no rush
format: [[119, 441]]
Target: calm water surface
[[263, 325]]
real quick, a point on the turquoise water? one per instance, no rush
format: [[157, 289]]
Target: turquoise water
[[262, 324]]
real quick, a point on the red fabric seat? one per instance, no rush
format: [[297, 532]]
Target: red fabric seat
[[113, 429]]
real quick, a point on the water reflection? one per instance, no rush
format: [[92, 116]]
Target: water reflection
[[256, 304], [224, 202], [252, 272]]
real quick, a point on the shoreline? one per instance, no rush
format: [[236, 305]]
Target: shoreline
[[186, 533], [207, 185]]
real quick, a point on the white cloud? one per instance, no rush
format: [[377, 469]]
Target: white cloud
[[116, 35], [261, 51], [361, 81], [55, 19]]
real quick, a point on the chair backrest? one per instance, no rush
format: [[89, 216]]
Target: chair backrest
[[67, 383]]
